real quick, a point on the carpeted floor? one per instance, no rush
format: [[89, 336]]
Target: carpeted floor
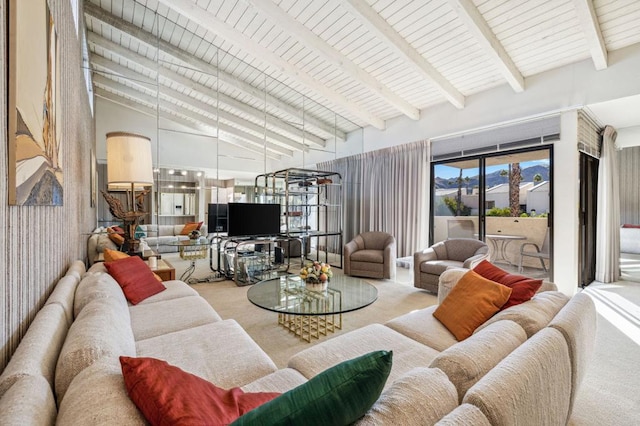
[[607, 396]]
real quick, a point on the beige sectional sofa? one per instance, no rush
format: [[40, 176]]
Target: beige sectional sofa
[[523, 366]]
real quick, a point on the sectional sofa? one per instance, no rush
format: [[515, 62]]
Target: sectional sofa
[[522, 366]]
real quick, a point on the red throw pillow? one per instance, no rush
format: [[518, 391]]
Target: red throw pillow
[[135, 278], [523, 288], [168, 395]]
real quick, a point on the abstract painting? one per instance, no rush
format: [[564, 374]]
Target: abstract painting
[[35, 168]]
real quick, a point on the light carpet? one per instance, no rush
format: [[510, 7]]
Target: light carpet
[[608, 394]]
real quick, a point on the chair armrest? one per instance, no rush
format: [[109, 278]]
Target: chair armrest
[[418, 258], [529, 244], [389, 256], [473, 261], [349, 248]]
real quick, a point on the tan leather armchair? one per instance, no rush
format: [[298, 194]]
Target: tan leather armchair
[[371, 255], [455, 252]]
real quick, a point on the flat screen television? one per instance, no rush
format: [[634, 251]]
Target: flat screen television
[[217, 218], [253, 219]]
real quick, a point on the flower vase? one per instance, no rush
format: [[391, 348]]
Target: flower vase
[[315, 285]]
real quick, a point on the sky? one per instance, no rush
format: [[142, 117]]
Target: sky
[[446, 172]]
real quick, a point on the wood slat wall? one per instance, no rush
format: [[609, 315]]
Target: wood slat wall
[[37, 244], [629, 162]]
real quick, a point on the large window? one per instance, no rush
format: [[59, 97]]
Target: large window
[[501, 198]]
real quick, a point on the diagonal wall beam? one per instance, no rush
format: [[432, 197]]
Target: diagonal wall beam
[[475, 23], [144, 95], [308, 38], [210, 21], [166, 91], [143, 108], [385, 32], [151, 40], [591, 29]]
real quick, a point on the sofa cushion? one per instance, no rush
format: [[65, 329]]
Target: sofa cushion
[[523, 288], [437, 267], [534, 314], [135, 278], [38, 350], [103, 242], [177, 314], [468, 361], [423, 327], [337, 396], [370, 256], [407, 353], [471, 302], [167, 395], [101, 330], [175, 289], [76, 269], [465, 414], [29, 401], [280, 381], [532, 383], [419, 397], [97, 285], [229, 360], [97, 396]]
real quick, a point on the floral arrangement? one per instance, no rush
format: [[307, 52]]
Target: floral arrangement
[[194, 235], [316, 272]]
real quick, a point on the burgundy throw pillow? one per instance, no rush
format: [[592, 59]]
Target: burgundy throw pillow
[[523, 288], [629, 225], [135, 278], [167, 395]]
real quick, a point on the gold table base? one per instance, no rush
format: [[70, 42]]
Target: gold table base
[[308, 327]]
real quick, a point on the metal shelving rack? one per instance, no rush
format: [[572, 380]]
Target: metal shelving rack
[[311, 203]]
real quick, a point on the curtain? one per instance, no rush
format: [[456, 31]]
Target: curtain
[[608, 218], [386, 190]]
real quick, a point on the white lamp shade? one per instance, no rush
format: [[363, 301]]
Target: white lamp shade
[[129, 159]]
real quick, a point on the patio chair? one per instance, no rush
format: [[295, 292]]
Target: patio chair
[[535, 251]]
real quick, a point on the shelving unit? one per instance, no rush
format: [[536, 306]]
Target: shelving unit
[[311, 202]]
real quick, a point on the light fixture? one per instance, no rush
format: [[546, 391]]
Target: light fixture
[[171, 171], [199, 174], [128, 163], [183, 173]]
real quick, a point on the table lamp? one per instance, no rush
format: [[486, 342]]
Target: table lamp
[[128, 163]]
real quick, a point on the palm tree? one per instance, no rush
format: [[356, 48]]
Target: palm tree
[[459, 180], [515, 177]]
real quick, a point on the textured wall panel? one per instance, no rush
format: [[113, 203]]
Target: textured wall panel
[[37, 244], [629, 161]]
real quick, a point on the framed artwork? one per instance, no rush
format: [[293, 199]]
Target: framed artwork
[[35, 168]]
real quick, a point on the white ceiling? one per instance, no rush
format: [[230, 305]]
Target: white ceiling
[[365, 60], [619, 113]]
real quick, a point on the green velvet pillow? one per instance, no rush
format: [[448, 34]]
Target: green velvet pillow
[[337, 396]]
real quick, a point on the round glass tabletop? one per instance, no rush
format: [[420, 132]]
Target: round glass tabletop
[[290, 294]]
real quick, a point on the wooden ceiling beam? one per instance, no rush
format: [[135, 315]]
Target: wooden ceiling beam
[[210, 21], [386, 33], [475, 23], [257, 94], [591, 29], [327, 52]]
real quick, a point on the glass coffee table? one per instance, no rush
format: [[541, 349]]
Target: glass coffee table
[[309, 311]]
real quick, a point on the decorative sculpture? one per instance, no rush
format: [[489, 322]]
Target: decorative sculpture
[[130, 219]]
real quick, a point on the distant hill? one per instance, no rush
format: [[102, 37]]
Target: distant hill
[[493, 179]]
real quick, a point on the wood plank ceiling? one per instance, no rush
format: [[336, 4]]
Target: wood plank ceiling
[[331, 66]]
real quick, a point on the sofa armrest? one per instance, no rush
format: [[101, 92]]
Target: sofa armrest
[[473, 261], [448, 280]]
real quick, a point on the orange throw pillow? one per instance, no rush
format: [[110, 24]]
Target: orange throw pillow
[[190, 226], [114, 236], [168, 395], [135, 278], [473, 300], [523, 288]]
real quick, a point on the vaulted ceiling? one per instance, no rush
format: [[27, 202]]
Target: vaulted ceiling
[[331, 66]]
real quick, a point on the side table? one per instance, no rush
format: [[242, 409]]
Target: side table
[[165, 270]]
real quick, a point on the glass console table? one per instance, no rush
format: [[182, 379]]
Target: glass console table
[[191, 250], [309, 311]]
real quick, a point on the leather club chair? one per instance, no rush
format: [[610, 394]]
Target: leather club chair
[[371, 255], [428, 264]]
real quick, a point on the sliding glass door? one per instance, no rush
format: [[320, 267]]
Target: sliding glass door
[[504, 199]]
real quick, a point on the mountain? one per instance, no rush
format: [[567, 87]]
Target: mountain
[[493, 179]]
